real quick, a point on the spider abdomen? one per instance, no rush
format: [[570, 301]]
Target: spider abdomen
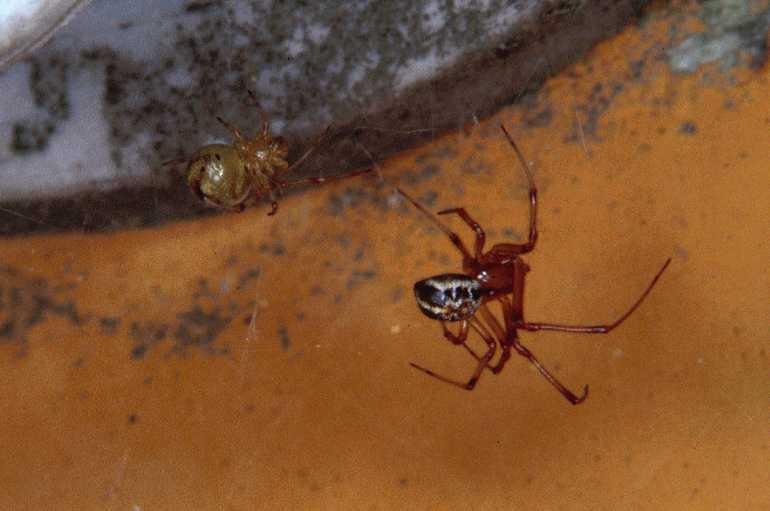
[[448, 297], [216, 173]]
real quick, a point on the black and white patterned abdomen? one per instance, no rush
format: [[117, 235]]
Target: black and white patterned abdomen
[[448, 297]]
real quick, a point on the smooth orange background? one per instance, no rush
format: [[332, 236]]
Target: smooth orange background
[[247, 362]]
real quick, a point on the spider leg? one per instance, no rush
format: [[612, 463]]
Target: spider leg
[[454, 238], [316, 144], [262, 114], [513, 309], [264, 184], [530, 244], [473, 353], [473, 224], [273, 204], [459, 340], [235, 131], [502, 334], [512, 312], [175, 161], [260, 191], [450, 381], [592, 329], [482, 363], [504, 357], [524, 352], [485, 334], [461, 336], [321, 180]]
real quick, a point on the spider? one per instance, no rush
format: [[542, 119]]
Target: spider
[[230, 176], [495, 275]]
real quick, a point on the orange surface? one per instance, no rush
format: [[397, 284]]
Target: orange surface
[[132, 378]]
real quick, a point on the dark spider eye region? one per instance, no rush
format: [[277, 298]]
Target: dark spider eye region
[[448, 297]]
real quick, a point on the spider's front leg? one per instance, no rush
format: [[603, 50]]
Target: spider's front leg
[[502, 251], [473, 224], [235, 131], [454, 238], [262, 114], [530, 244]]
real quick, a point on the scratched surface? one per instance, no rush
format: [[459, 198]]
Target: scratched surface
[[246, 362]]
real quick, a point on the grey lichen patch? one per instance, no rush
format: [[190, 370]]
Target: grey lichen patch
[[30, 136], [512, 234], [27, 301], [474, 165], [688, 128], [359, 276], [539, 118], [536, 108], [374, 196], [199, 325], [275, 248], [145, 335], [426, 172], [440, 257], [246, 277], [48, 84], [199, 328], [444, 152], [428, 199], [735, 35], [109, 325], [589, 111], [134, 96]]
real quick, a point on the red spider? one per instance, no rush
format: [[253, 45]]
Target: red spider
[[495, 275]]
